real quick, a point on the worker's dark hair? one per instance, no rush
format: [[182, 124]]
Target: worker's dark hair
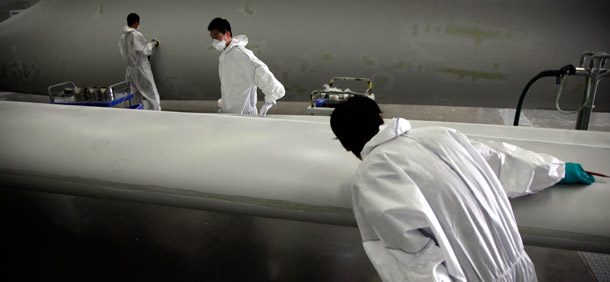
[[221, 25], [132, 19], [355, 122]]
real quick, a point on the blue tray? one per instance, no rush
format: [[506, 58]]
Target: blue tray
[[100, 103]]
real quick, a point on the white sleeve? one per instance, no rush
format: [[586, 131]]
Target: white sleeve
[[262, 77], [520, 171], [271, 87], [393, 217], [141, 46]]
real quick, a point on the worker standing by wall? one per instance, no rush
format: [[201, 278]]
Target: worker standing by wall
[[135, 51]]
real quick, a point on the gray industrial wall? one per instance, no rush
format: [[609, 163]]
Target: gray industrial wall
[[462, 53]]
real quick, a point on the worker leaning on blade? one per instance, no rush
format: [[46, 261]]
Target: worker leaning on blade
[[432, 204], [135, 51], [241, 72]]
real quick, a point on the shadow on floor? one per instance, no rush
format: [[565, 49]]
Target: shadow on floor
[[54, 237]]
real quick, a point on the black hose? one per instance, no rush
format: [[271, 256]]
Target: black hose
[[569, 69]]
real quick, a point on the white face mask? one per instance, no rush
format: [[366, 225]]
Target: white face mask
[[219, 45]]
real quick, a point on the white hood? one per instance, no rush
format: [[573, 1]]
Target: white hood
[[239, 40], [127, 29], [387, 131]]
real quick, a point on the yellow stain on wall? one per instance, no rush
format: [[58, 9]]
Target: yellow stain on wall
[[471, 32], [327, 57], [474, 74], [401, 65], [247, 10], [21, 70], [367, 61]]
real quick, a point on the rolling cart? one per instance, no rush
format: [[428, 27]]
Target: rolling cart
[[67, 93], [323, 102]]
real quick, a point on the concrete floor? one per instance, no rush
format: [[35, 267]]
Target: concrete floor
[[55, 237]]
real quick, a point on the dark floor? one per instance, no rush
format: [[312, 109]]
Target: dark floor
[[50, 237], [65, 238]]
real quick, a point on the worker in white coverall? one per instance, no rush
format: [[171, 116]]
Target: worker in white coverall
[[432, 204], [241, 73], [135, 51]]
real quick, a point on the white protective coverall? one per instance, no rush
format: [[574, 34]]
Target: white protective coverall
[[135, 51], [430, 205], [240, 74]]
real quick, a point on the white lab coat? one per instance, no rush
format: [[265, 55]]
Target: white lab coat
[[430, 205], [240, 74], [135, 51]]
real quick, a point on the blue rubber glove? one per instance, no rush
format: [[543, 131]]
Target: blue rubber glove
[[576, 174]]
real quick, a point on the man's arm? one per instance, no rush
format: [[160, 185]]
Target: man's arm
[[261, 76], [271, 87], [140, 45], [520, 171]]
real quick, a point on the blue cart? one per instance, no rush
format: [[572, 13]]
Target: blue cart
[[67, 93]]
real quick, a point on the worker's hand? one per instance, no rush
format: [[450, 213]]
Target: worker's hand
[[576, 174], [263, 111], [157, 42]]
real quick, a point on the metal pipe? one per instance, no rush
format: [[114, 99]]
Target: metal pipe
[[594, 75], [582, 72], [584, 56]]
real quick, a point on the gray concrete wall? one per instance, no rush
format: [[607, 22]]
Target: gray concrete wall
[[462, 53]]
